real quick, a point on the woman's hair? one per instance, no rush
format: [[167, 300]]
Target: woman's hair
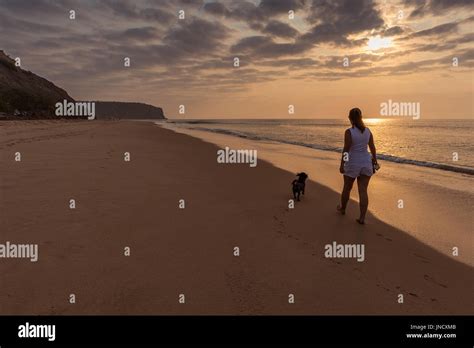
[[355, 115]]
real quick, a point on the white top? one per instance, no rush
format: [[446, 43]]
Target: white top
[[358, 153]]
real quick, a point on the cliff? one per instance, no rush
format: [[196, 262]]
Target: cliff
[[127, 110], [23, 93]]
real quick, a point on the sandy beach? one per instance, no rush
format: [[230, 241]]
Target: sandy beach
[[190, 251]]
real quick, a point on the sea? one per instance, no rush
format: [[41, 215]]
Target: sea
[[442, 144]]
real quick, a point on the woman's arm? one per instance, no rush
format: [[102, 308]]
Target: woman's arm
[[345, 150], [373, 151]]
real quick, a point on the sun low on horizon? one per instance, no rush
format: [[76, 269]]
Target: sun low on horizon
[[251, 59]]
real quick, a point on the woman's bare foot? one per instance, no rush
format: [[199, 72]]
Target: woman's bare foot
[[360, 221], [340, 210]]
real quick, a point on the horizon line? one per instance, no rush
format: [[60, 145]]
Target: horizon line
[[320, 118]]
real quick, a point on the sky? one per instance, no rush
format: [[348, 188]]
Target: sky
[[320, 57]]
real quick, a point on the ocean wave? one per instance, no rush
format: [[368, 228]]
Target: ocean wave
[[385, 157]]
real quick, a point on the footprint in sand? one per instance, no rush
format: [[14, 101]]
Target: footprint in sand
[[281, 226], [432, 280], [381, 235], [423, 259], [420, 256], [379, 285]]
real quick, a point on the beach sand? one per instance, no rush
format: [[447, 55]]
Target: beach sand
[[191, 251]]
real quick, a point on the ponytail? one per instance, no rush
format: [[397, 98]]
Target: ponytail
[[355, 116]]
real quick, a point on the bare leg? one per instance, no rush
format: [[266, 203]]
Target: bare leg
[[346, 192], [362, 184]]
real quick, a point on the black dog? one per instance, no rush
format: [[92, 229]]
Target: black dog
[[299, 185]]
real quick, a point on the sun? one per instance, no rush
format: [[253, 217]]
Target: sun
[[376, 42]]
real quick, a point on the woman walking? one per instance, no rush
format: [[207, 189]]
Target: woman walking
[[357, 163]]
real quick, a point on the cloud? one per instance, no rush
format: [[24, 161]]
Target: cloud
[[167, 53], [264, 46], [393, 31], [348, 16], [13, 24], [336, 20], [272, 7], [436, 7], [242, 11], [256, 16], [37, 7], [280, 29], [441, 29], [139, 34], [292, 63], [217, 8], [197, 36]]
